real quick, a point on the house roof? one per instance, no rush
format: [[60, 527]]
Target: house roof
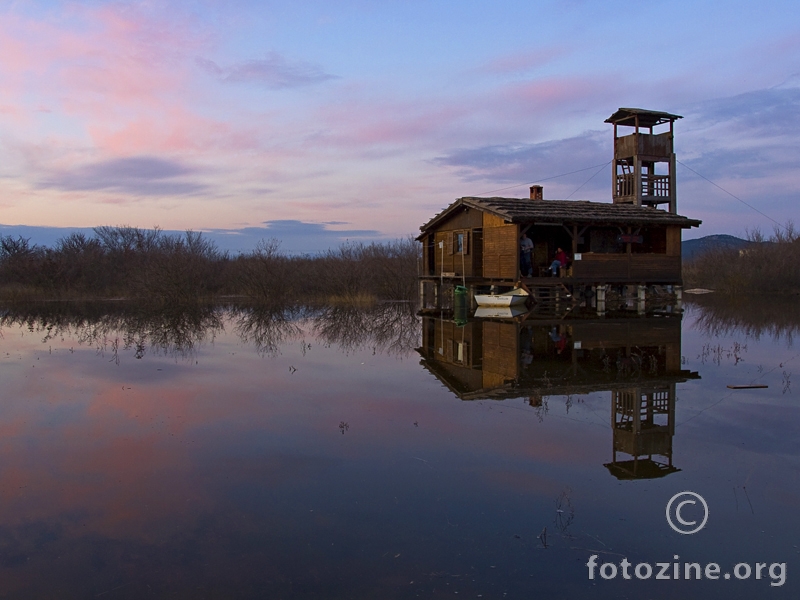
[[647, 118], [525, 210]]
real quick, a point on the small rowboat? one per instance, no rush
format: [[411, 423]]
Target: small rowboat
[[510, 298], [498, 312]]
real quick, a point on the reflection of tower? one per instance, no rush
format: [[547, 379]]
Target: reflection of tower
[[644, 423], [644, 161]]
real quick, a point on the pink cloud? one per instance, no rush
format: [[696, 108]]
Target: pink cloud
[[176, 130], [554, 94], [518, 109], [389, 123], [125, 78], [525, 61]]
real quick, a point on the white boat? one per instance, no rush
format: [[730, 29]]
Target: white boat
[[510, 298], [498, 312]]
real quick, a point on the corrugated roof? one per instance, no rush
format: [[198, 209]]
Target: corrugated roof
[[525, 210]]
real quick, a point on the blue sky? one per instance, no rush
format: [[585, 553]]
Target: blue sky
[[367, 118]]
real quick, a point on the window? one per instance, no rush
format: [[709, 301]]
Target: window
[[461, 352], [460, 242]]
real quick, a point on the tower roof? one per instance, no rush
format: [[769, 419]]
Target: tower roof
[[647, 118]]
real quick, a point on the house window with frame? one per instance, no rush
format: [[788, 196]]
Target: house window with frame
[[460, 242]]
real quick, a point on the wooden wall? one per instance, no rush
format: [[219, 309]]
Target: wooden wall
[[674, 241], [490, 220], [633, 268], [467, 222], [631, 333], [449, 339], [500, 352], [452, 261], [658, 145], [501, 252]]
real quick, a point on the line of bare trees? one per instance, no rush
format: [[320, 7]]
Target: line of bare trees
[[131, 328], [769, 264], [150, 265]]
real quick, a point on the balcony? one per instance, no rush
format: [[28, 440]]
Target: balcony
[[655, 188]]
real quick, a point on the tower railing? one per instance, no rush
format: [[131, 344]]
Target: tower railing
[[652, 185]]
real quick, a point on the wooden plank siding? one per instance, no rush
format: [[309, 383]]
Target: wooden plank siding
[[449, 338], [490, 220], [655, 146], [476, 252], [462, 219], [467, 222], [500, 252], [611, 268], [452, 261], [501, 350], [599, 334], [674, 241]]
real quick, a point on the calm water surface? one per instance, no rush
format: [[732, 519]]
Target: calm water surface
[[347, 453]]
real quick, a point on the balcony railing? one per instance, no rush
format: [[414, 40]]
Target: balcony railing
[[652, 185]]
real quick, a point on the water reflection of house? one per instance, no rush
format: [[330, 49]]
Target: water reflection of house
[[638, 360]]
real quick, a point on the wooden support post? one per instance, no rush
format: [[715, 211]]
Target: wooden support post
[[574, 362], [673, 203], [574, 241], [671, 410], [614, 189], [437, 295], [641, 297], [601, 300], [678, 296]]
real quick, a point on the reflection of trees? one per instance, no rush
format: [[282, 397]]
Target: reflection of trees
[[267, 327], [390, 327], [775, 316], [172, 331], [178, 330]]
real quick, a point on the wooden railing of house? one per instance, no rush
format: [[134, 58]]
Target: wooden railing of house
[[627, 268]]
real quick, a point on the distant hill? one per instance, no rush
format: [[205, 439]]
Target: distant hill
[[691, 248]]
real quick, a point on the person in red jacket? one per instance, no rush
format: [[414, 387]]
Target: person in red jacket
[[559, 262]]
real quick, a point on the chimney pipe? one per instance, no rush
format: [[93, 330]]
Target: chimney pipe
[[537, 192]]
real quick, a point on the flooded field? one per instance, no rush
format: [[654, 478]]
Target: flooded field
[[235, 452]]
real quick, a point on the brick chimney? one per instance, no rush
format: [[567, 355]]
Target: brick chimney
[[537, 192]]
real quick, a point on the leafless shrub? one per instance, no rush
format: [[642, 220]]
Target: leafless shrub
[[766, 264], [162, 269], [267, 275]]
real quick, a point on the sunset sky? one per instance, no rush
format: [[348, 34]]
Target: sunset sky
[[318, 121]]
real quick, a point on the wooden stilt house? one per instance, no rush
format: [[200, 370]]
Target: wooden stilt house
[[630, 240]]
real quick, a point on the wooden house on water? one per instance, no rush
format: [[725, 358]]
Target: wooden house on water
[[629, 241]]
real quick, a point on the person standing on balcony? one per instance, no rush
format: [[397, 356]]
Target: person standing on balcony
[[525, 252]]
